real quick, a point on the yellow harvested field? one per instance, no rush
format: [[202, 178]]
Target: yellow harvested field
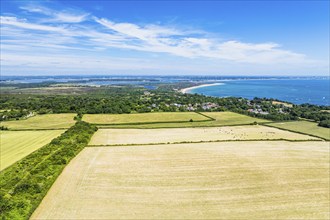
[[14, 145], [176, 135], [231, 180], [143, 117], [47, 121]]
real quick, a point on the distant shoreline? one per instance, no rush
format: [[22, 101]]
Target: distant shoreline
[[187, 90]]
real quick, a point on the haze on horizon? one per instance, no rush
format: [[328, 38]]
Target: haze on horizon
[[174, 37]]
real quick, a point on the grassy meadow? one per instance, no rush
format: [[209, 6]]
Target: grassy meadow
[[143, 118], [179, 135], [231, 118], [232, 180], [304, 127], [219, 119], [17, 144], [47, 121]]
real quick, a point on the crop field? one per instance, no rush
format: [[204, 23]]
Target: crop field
[[143, 117], [304, 127], [220, 119], [231, 118], [17, 144], [47, 121], [176, 135], [229, 180]]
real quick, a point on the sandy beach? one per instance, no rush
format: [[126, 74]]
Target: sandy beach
[[187, 90]]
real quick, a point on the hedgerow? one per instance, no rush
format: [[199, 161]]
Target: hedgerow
[[24, 184]]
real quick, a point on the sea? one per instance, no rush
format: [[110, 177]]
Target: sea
[[297, 91]]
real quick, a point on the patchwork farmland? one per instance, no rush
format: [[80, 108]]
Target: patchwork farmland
[[155, 165], [212, 119]]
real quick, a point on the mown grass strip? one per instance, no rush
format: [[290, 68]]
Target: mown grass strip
[[38, 129], [25, 183]]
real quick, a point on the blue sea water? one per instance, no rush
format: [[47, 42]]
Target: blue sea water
[[297, 91]]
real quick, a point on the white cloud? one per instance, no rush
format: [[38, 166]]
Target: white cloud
[[13, 21], [65, 34], [57, 16], [154, 38]]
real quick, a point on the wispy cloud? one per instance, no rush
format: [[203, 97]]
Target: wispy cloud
[[63, 33], [154, 38], [57, 16], [13, 21]]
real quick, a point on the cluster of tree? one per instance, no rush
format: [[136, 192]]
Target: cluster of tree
[[118, 100], [325, 123], [313, 112], [24, 184], [316, 113], [3, 128], [13, 114]]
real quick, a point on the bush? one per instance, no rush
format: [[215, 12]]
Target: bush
[[325, 123], [24, 184]]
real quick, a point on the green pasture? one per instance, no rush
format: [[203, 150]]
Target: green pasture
[[141, 118], [47, 121], [215, 119], [17, 144], [305, 127]]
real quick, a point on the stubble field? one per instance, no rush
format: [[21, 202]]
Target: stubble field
[[232, 180], [176, 135]]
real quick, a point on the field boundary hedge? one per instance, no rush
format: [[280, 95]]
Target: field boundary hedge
[[196, 142], [25, 183], [213, 119]]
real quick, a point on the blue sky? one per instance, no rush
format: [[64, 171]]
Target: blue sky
[[165, 37]]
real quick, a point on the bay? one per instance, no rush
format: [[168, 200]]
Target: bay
[[297, 91]]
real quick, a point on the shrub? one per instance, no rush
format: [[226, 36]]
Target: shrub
[[24, 184]]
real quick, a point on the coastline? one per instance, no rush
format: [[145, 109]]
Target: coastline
[[187, 90]]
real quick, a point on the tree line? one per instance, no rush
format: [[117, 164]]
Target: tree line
[[131, 99]]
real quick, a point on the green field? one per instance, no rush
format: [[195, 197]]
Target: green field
[[17, 144], [304, 127], [143, 118], [48, 121], [220, 119], [231, 118]]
